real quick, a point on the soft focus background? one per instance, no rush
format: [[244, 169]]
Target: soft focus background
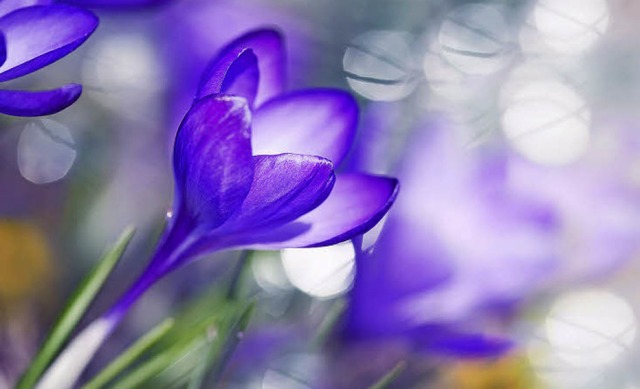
[[551, 86]]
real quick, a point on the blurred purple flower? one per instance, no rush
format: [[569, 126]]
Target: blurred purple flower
[[477, 232], [32, 37], [598, 206], [254, 168], [459, 243]]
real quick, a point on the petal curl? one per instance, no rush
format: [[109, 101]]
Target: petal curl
[[284, 187], [268, 47], [242, 77], [39, 35], [212, 159], [316, 122], [38, 103], [356, 204]]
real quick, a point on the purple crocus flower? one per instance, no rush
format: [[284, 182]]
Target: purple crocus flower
[[254, 168], [459, 245], [33, 36]]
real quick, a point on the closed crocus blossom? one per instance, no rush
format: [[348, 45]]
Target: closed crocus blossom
[[459, 246], [254, 168], [34, 34]]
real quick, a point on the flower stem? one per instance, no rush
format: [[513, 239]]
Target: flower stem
[[67, 368], [236, 277]]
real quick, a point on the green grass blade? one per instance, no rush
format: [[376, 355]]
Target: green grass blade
[[130, 355], [328, 324], [388, 378], [234, 289], [74, 310], [187, 341], [220, 351], [160, 362]]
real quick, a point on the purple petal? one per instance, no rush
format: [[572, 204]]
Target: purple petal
[[212, 159], [268, 47], [435, 339], [39, 35], [27, 103], [242, 77], [8, 6], [3, 49], [419, 263], [356, 204], [284, 187], [315, 122]]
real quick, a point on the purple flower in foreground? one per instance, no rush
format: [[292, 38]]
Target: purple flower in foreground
[[254, 168], [459, 244], [32, 37]]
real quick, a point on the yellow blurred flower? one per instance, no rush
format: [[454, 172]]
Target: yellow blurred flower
[[509, 372], [25, 263]]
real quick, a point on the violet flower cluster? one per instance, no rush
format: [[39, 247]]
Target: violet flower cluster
[[34, 34], [457, 223], [473, 235], [254, 168]]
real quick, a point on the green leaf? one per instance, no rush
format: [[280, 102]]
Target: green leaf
[[203, 336], [130, 355], [74, 310], [328, 324], [157, 364], [388, 378], [220, 351], [234, 289], [174, 357]]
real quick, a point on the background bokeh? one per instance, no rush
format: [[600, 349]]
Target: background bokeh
[[555, 83]]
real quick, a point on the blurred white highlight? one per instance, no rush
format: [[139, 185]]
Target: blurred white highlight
[[590, 328], [380, 65], [322, 272], [582, 339], [570, 26], [276, 380], [475, 39], [125, 71], [46, 151], [268, 272], [547, 122], [70, 364], [370, 238]]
